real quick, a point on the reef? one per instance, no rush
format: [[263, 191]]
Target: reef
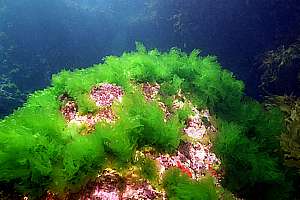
[[145, 125]]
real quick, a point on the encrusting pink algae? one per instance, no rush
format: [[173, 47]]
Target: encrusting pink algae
[[192, 157]]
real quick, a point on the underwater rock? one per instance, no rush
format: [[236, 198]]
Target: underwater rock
[[141, 115], [150, 90], [106, 93]]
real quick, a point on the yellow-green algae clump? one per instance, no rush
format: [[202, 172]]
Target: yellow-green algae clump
[[42, 151]]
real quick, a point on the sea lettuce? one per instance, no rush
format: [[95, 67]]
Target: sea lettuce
[[40, 151]]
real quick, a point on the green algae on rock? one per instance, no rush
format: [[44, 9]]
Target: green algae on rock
[[64, 135]]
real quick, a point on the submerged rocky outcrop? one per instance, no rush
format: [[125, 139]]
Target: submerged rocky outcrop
[[146, 125]]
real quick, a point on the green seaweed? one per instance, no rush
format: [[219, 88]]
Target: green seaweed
[[171, 87], [184, 113], [148, 169], [180, 187], [40, 151], [153, 130], [252, 166], [290, 139]]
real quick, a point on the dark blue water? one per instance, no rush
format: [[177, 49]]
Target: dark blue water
[[41, 37]]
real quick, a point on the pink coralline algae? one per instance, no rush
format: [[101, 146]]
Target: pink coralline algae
[[196, 129], [105, 187], [193, 158], [195, 162], [103, 195], [150, 90], [142, 191], [69, 110], [105, 94], [105, 114], [112, 186]]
